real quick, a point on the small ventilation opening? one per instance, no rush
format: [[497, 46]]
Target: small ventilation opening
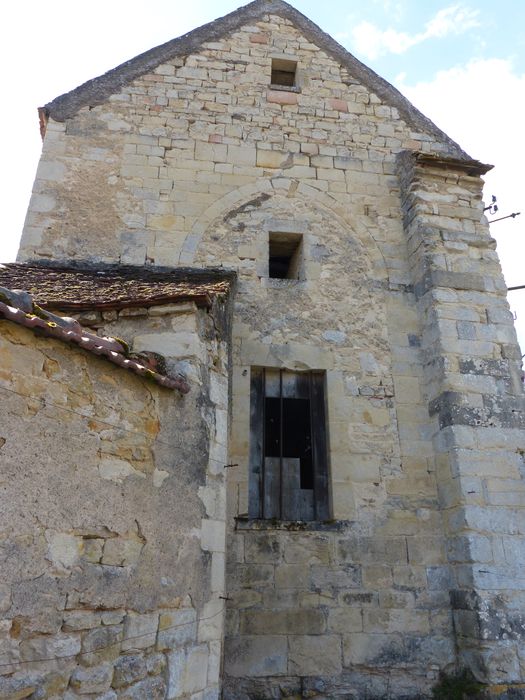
[[283, 72], [285, 255]]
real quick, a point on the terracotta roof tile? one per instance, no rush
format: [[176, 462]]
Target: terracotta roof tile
[[69, 330], [114, 287]]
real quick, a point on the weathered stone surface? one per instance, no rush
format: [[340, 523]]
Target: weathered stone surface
[[256, 656], [96, 679], [319, 655], [17, 688], [282, 622], [187, 670], [129, 669], [150, 688]]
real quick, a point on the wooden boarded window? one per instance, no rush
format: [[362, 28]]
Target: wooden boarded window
[[288, 451]]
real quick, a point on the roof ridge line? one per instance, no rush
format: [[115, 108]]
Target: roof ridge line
[[97, 90]]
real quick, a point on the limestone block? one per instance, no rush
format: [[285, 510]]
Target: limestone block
[[211, 622], [5, 597], [179, 345], [218, 572], [271, 159], [242, 155], [187, 671], [214, 665], [309, 549], [347, 576], [150, 688], [17, 688], [122, 551], [63, 549], [377, 650], [269, 622], [376, 577], [425, 550], [262, 548], [101, 645], [256, 656], [372, 550], [140, 631], [211, 151], [315, 655], [80, 620], [213, 535], [155, 664], [129, 669], [50, 170], [392, 620], [96, 679], [282, 97], [50, 647], [176, 628], [255, 575]]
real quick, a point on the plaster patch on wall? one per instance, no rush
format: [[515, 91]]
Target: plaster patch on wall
[[159, 477], [117, 470]]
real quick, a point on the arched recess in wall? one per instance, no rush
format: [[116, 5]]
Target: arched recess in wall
[[263, 190]]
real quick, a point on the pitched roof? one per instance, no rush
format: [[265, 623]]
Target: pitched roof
[[18, 307], [98, 90], [114, 287]]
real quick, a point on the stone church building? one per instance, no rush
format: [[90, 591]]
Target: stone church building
[[261, 402]]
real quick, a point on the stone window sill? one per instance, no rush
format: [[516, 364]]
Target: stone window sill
[[285, 88], [245, 523], [278, 283]]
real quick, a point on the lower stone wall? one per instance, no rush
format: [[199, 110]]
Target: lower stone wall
[[327, 611], [112, 513], [110, 654]]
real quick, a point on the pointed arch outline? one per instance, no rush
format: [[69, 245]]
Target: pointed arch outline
[[281, 186]]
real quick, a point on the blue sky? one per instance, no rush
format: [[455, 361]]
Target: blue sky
[[461, 63]]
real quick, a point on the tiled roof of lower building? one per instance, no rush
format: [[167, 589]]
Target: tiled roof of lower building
[[18, 307], [114, 287]]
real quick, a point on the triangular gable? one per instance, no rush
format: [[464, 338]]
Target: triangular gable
[[98, 90]]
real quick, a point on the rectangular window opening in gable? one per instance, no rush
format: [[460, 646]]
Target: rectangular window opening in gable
[[284, 73], [288, 450], [285, 256]]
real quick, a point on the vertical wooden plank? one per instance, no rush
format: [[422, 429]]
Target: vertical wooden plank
[[272, 478], [319, 446], [256, 443], [291, 485], [272, 383], [295, 385], [298, 503]]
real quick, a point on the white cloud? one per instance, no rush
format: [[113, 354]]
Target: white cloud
[[372, 42], [480, 105], [392, 7]]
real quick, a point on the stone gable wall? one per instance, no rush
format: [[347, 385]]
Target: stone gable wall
[[196, 163]]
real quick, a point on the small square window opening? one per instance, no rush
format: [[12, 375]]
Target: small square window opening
[[284, 72], [285, 256]]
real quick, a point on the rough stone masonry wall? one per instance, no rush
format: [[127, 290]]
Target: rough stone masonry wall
[[473, 383], [113, 513], [195, 163]]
